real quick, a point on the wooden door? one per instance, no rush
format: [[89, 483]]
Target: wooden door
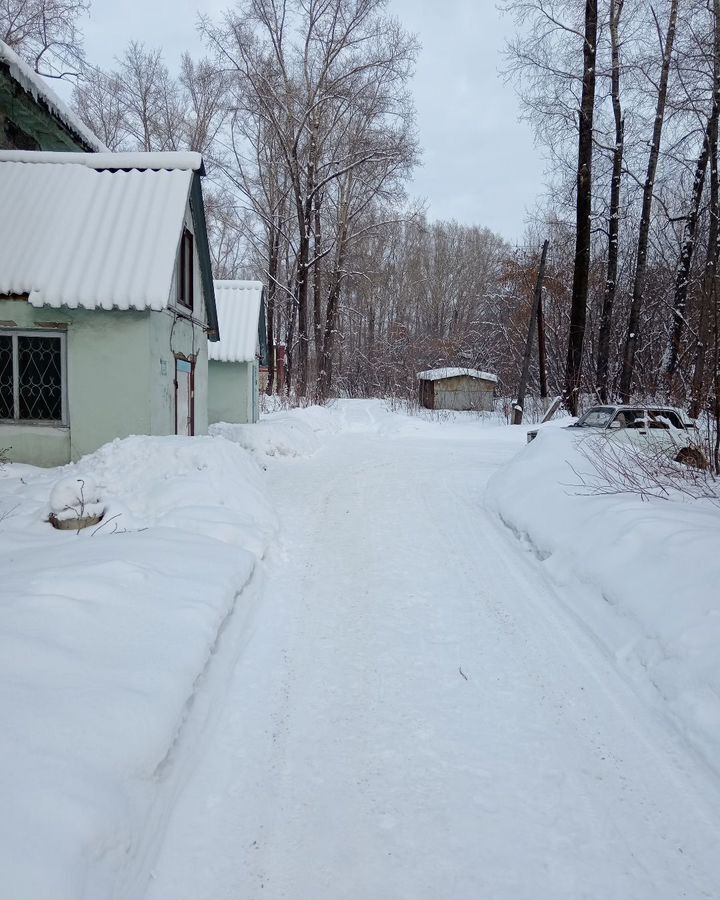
[[184, 398]]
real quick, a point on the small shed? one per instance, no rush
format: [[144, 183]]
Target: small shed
[[234, 362], [106, 300], [460, 389]]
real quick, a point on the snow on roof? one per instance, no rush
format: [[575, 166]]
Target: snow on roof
[[238, 307], [36, 85], [438, 374], [73, 236], [185, 161]]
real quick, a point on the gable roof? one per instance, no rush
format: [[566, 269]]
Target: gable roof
[[97, 230], [439, 374], [239, 304], [43, 95]]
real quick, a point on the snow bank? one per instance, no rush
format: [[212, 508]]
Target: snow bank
[[290, 433], [107, 638], [649, 573], [299, 432], [203, 485]]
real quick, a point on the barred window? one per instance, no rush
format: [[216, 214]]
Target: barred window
[[31, 377]]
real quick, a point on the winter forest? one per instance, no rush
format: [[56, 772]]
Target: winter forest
[[303, 112]]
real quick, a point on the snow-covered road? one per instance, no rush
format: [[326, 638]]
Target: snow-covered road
[[416, 714]]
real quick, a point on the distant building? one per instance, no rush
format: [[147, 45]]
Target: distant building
[[106, 300], [32, 116], [234, 367], [460, 389]]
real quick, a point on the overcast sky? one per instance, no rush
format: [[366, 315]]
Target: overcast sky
[[479, 164]]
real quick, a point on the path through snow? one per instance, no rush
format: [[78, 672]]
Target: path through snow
[[416, 716]]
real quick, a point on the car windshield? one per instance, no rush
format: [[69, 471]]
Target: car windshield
[[597, 417]]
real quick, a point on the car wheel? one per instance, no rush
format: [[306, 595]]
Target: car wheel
[[692, 456]]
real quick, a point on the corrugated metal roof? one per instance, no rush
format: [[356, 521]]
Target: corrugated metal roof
[[439, 374], [36, 85], [74, 236], [238, 305]]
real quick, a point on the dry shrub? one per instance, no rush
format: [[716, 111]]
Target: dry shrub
[[645, 471]]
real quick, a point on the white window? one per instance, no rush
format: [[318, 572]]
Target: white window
[[32, 377]]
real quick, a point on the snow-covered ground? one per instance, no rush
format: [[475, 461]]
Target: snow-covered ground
[[446, 674], [112, 654], [426, 709]]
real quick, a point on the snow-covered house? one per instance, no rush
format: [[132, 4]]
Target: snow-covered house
[[460, 389], [32, 116], [233, 393], [106, 300]]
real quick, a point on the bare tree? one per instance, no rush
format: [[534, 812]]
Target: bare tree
[[99, 102], [141, 106], [641, 264], [709, 294], [682, 278], [323, 81], [46, 34], [578, 310], [613, 253]]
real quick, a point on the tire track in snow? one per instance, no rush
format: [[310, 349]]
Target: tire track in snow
[[355, 762]]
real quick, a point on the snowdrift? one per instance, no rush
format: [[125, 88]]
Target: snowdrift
[[107, 640], [289, 433], [643, 575]]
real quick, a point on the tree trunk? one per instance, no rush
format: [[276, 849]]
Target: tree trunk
[[683, 270], [290, 315], [578, 310], [274, 244], [603, 358], [638, 294], [317, 283], [304, 207], [708, 296], [331, 320], [537, 296]]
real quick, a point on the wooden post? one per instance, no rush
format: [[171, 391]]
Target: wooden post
[[542, 357], [518, 405]]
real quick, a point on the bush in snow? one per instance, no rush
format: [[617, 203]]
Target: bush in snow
[[645, 471], [75, 502]]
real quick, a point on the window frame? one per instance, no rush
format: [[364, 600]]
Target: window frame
[[187, 249], [14, 334]]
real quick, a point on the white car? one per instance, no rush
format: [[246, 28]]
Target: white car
[[664, 427]]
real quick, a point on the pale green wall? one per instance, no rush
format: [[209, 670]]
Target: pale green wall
[[115, 380], [169, 336], [108, 367], [35, 444], [230, 392]]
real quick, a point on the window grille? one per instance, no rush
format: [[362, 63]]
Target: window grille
[[32, 377], [6, 377]]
